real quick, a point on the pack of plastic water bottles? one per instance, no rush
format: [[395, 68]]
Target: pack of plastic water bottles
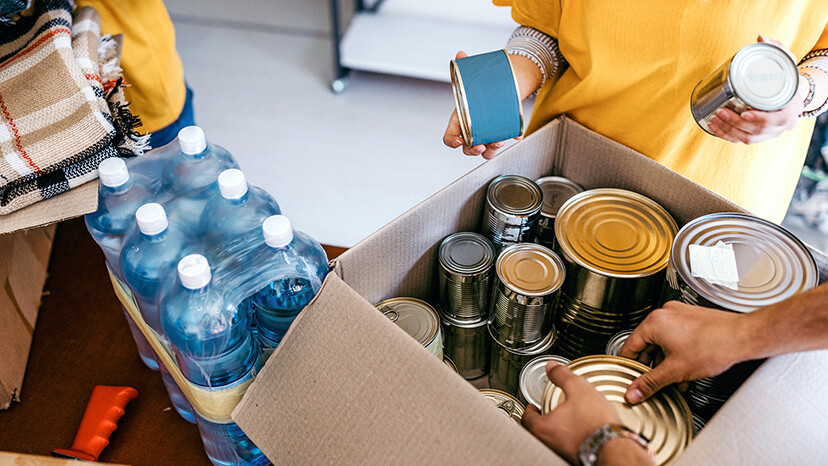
[[210, 273]]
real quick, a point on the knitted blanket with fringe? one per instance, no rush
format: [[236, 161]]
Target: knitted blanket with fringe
[[62, 108]]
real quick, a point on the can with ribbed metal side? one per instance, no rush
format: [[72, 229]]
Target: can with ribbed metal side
[[616, 246], [418, 319], [513, 204], [556, 190], [664, 418], [525, 295], [508, 362], [508, 404], [533, 379], [465, 274], [760, 76], [468, 344], [770, 265], [617, 342]]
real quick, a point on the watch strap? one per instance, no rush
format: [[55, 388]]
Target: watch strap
[[590, 448]]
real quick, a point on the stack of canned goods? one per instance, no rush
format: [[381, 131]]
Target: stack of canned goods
[[664, 419], [772, 266], [524, 299], [513, 205], [616, 246], [556, 191], [418, 319], [465, 261]]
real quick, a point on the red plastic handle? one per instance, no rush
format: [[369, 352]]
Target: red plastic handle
[[105, 408]]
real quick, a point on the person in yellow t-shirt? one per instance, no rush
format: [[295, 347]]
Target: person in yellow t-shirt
[[626, 70], [152, 68]]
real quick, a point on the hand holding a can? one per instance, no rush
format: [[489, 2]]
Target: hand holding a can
[[753, 126], [688, 343], [527, 77], [576, 419]]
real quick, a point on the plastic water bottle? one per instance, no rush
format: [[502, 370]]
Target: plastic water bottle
[[190, 174], [299, 265], [119, 196], [236, 209], [148, 259], [215, 349]]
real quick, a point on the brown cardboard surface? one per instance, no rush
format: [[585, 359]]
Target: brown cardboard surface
[[74, 203], [347, 386], [22, 276], [337, 379]]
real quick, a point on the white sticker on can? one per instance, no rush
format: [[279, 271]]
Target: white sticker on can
[[716, 264]]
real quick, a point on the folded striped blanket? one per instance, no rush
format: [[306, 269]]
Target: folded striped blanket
[[62, 109]]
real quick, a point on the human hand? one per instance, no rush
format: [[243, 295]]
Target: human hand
[[583, 412], [694, 342], [754, 126], [454, 139]]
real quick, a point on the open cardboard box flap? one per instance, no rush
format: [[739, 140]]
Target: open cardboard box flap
[[348, 386]]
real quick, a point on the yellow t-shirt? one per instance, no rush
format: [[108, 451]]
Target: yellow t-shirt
[[633, 66], [151, 65]]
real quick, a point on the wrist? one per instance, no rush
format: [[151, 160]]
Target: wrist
[[528, 75], [592, 450], [623, 451]]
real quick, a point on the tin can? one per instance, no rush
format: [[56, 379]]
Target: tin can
[[616, 246], [664, 419], [448, 362], [508, 362], [418, 319], [508, 404], [698, 424], [533, 379], [556, 190], [760, 76], [486, 97], [468, 344], [466, 260], [513, 205], [528, 277], [617, 342]]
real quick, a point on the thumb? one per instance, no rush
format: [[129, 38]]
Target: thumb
[[461, 54], [648, 383]]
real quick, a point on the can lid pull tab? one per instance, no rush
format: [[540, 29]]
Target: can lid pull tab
[[390, 313]]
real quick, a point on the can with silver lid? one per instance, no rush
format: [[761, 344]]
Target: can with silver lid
[[528, 277], [464, 276], [760, 76], [533, 379], [556, 190], [664, 418], [508, 404], [617, 342], [418, 319], [771, 265], [513, 204], [508, 362], [616, 246], [468, 344]]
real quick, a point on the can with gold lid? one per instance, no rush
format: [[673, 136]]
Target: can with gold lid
[[468, 344], [616, 247], [465, 262], [507, 363], [418, 319], [508, 404], [513, 204], [448, 362], [528, 277], [664, 418], [556, 190], [533, 379]]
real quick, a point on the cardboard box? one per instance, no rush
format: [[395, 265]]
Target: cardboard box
[[25, 244], [347, 386]]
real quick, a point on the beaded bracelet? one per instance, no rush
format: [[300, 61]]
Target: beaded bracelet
[[808, 62], [811, 86]]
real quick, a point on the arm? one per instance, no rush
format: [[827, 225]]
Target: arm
[[700, 342], [755, 126], [535, 58]]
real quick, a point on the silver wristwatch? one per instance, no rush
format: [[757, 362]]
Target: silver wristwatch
[[590, 448]]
